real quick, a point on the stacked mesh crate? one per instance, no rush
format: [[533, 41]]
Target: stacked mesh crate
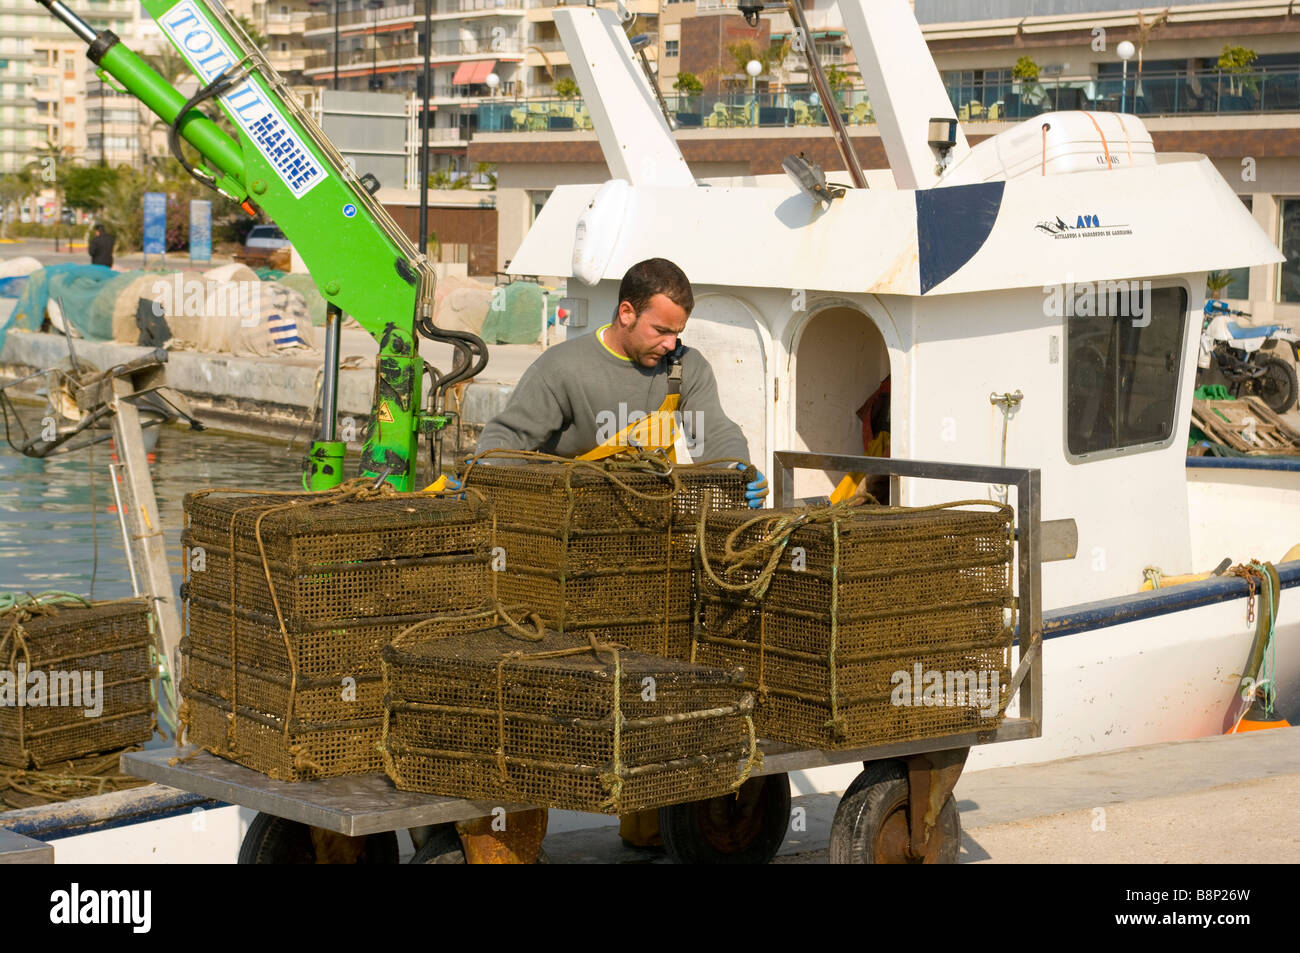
[[291, 598], [862, 625], [74, 680], [480, 707], [604, 547]]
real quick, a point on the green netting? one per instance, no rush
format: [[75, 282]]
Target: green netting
[[1212, 392], [517, 314], [75, 287]]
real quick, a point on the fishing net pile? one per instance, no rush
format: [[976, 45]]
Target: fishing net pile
[[602, 547], [227, 309], [291, 597], [482, 705], [75, 680], [861, 625]]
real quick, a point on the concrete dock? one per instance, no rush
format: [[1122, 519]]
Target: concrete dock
[[1224, 799], [274, 396]]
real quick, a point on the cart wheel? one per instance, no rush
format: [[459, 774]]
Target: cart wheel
[[871, 824], [444, 847], [745, 827], [274, 840]]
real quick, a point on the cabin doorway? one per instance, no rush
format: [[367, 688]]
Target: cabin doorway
[[840, 361]]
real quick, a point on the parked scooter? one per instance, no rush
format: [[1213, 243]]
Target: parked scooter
[[1243, 355]]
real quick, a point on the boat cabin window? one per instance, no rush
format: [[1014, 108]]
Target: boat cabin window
[[1124, 342]]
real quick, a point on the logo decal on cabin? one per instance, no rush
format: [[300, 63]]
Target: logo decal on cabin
[[1085, 225]]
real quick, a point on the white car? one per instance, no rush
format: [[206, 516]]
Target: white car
[[268, 237]]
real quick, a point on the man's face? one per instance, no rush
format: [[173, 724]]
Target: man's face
[[648, 336]]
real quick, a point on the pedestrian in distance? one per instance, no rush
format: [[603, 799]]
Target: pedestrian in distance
[[101, 247]]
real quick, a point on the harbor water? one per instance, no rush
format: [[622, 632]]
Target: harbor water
[[59, 527]]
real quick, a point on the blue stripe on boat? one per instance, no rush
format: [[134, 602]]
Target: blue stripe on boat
[[1286, 464], [1146, 605]]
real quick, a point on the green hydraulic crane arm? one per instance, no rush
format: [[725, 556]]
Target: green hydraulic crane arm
[[281, 161]]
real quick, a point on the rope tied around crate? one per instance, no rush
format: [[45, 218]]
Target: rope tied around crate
[[16, 611], [608, 469], [351, 491], [775, 533], [611, 780]]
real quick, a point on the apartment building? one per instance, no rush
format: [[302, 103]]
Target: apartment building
[[695, 35]]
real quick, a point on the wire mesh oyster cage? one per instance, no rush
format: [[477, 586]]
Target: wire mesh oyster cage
[[286, 749], [75, 679], [862, 625], [289, 599], [476, 708], [605, 546], [311, 557], [296, 704]]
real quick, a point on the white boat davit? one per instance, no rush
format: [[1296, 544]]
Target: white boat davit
[[1033, 300]]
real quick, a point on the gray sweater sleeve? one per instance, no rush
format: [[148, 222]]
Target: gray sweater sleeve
[[717, 436], [532, 415]]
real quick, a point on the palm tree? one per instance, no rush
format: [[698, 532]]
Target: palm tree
[[169, 64]]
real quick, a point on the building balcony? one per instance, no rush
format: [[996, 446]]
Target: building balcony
[[545, 9], [289, 61], [285, 24], [391, 55], [319, 24], [462, 95], [448, 136]]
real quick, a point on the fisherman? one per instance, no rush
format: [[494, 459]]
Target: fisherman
[[101, 247], [578, 394], [576, 398]]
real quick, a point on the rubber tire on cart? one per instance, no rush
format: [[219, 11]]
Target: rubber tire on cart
[[1278, 387], [745, 827], [871, 824], [444, 847], [274, 840]]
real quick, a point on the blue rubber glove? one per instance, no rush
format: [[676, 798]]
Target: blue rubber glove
[[453, 483], [755, 492]]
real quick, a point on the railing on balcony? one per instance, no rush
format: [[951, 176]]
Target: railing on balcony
[[1180, 92], [349, 19], [447, 134], [505, 90], [1207, 92], [389, 52], [723, 111], [353, 18]]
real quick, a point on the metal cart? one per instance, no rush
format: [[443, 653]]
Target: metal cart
[[899, 809]]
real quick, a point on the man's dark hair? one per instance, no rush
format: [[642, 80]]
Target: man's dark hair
[[655, 276]]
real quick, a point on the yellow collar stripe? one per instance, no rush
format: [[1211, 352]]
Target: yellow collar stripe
[[600, 336]]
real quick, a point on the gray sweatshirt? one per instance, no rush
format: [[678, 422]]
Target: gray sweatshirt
[[579, 394]]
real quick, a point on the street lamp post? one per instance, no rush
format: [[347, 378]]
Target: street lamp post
[[1125, 49], [753, 68]]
